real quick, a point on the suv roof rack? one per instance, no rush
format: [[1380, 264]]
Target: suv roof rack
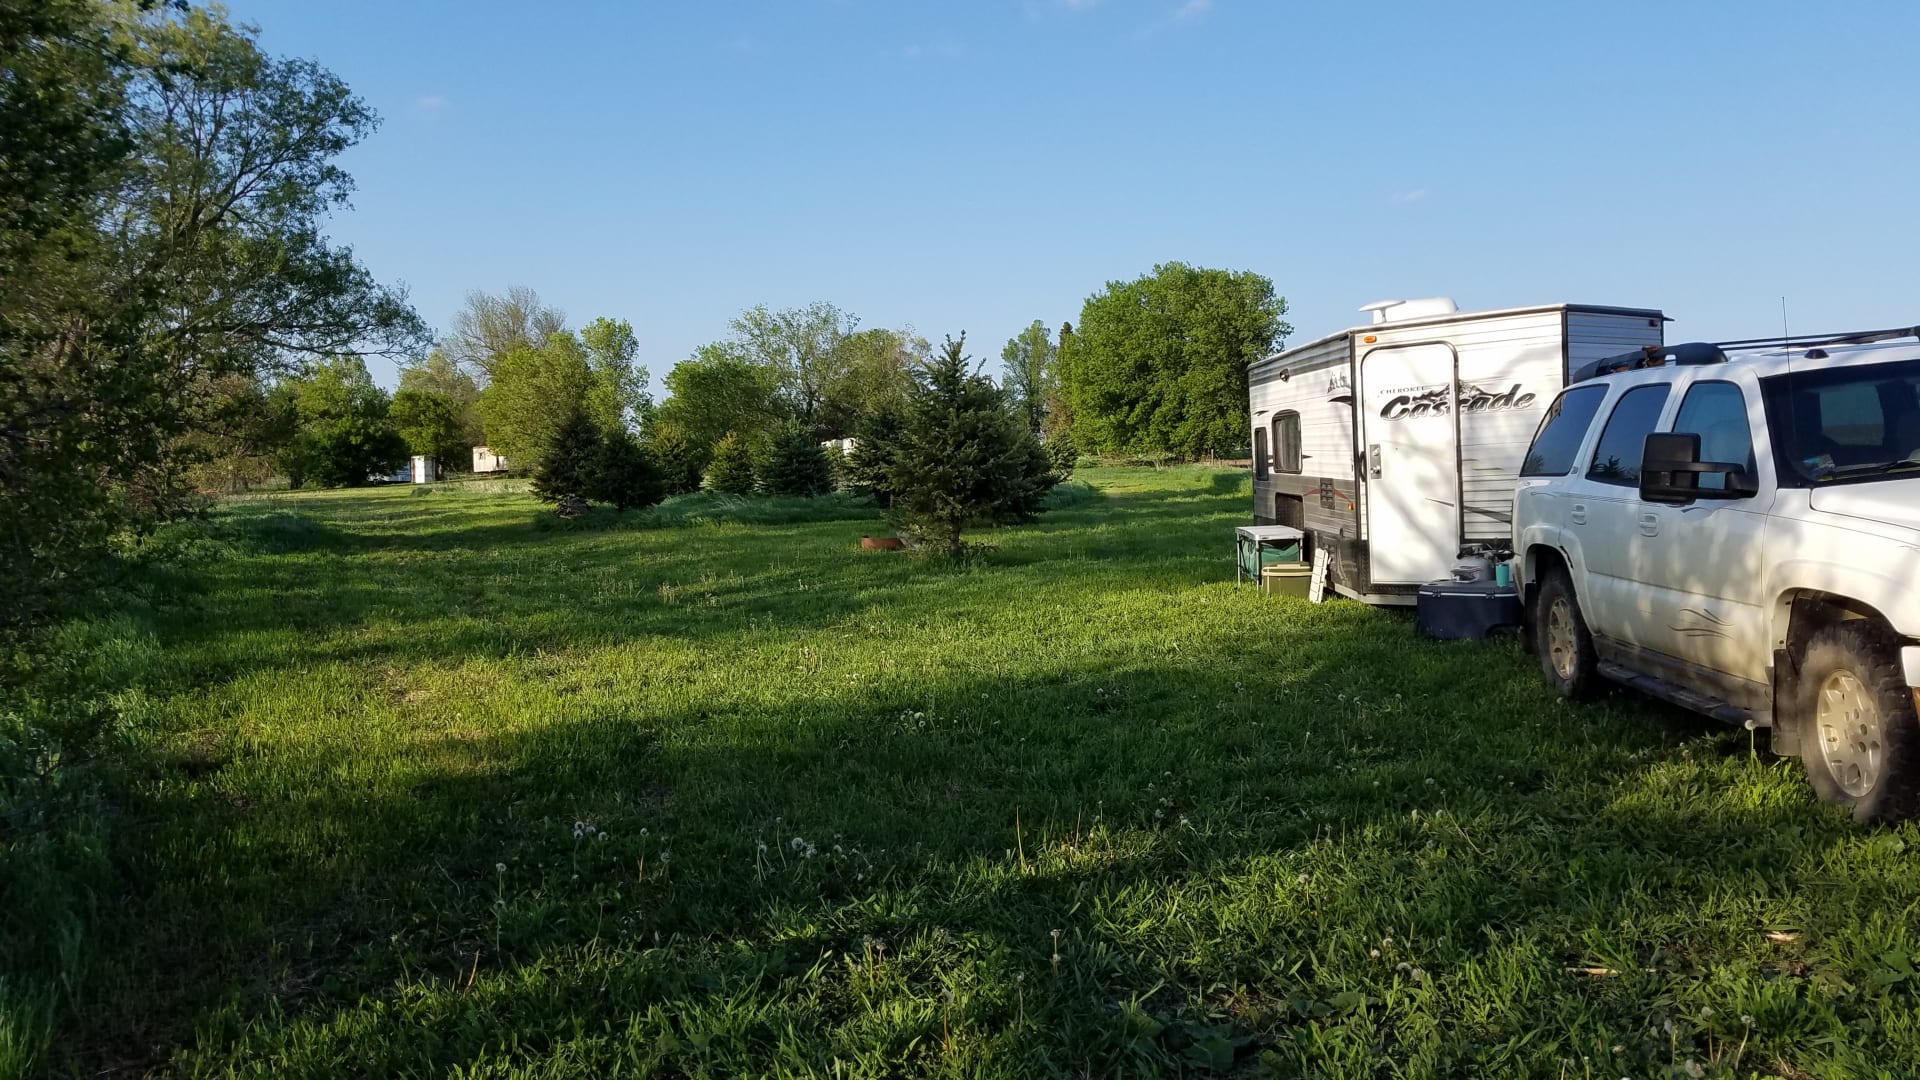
[[1690, 352], [1856, 337], [1707, 352]]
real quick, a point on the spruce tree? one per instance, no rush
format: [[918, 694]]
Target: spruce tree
[[566, 469], [962, 456], [733, 470], [869, 467], [678, 457], [796, 465], [624, 474]]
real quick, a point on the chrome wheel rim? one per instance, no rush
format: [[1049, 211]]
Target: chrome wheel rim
[[1560, 646], [1849, 725]]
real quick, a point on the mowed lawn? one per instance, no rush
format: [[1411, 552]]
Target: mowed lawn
[[436, 789]]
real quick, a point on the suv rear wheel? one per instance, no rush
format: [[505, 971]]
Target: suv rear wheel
[[1560, 637], [1860, 740]]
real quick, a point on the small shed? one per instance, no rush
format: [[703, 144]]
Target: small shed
[[423, 470], [486, 461]]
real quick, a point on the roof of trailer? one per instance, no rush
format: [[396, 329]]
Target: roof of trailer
[[1457, 317]]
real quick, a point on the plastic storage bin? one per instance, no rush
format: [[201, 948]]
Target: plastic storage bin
[[1286, 579]]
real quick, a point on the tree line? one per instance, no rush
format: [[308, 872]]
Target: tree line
[[174, 322]]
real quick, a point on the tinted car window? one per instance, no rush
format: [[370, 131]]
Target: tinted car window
[[1616, 460], [1845, 424], [1561, 432], [1717, 412]]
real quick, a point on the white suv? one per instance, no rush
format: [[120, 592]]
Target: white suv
[[1736, 528]]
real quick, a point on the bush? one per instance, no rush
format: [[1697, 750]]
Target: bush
[[734, 469], [796, 465], [567, 469], [624, 474]]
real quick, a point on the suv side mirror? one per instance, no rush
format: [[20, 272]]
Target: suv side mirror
[[1670, 470]]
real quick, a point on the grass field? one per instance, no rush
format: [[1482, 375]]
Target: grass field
[[411, 784]]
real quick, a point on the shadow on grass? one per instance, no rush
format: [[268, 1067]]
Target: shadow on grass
[[1200, 845], [1224, 823]]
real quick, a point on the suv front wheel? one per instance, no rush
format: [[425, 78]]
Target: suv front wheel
[[1561, 638], [1860, 740]]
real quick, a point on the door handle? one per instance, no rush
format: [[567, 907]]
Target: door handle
[[1649, 525], [1373, 461], [1577, 514]]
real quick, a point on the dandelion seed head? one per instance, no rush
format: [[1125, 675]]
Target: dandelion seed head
[[499, 868]]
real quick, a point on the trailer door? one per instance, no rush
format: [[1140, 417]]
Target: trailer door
[[1411, 462]]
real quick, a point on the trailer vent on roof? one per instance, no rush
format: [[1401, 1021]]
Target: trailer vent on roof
[[1401, 310]]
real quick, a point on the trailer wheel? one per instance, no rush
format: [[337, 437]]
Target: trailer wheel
[[1860, 740], [1561, 638]]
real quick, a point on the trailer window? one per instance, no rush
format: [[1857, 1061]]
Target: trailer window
[[1260, 453], [1562, 431], [1616, 459], [1286, 443]]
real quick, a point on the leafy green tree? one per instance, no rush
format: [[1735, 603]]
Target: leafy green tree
[[345, 437], [534, 392], [873, 374], [617, 399], [250, 427], [796, 464], [1028, 376], [489, 328], [437, 373], [568, 463], [681, 460], [624, 474], [803, 346], [431, 423], [438, 376], [735, 468], [1159, 364], [961, 456], [719, 390], [160, 209]]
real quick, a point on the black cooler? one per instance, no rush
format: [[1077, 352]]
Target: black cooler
[[1467, 609]]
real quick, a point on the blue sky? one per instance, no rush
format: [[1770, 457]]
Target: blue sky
[[975, 165]]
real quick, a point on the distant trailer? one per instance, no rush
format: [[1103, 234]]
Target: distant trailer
[[1395, 445], [423, 470], [486, 461]]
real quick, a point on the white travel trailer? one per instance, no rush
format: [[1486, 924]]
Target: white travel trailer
[[1394, 445]]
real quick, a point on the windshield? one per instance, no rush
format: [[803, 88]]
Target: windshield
[[1835, 425]]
